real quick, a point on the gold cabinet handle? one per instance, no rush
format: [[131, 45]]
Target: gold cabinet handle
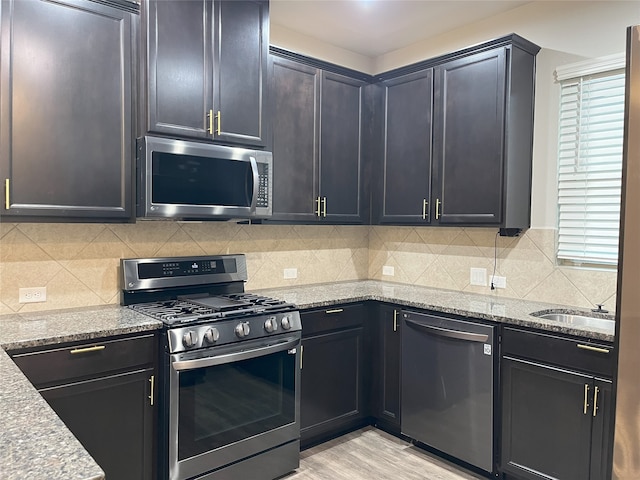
[[595, 401], [586, 398], [301, 352], [7, 198], [210, 127], [335, 310], [438, 203], [591, 348], [395, 320], [95, 348], [318, 206], [324, 206], [152, 381], [219, 124]]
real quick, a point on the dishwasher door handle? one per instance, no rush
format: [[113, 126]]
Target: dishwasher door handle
[[445, 332]]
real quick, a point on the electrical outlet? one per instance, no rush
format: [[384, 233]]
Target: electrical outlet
[[498, 282], [32, 295], [290, 273], [388, 270], [478, 276]]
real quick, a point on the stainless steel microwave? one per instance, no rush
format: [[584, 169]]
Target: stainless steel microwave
[[190, 180]]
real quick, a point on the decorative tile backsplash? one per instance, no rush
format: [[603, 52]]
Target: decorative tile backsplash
[[78, 263], [443, 257]]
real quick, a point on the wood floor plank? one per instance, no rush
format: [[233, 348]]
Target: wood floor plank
[[371, 454]]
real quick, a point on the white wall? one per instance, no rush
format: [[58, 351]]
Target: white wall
[[567, 31], [296, 42]]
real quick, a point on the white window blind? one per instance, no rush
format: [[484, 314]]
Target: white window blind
[[590, 167]]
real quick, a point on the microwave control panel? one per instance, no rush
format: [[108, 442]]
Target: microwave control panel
[[263, 187]]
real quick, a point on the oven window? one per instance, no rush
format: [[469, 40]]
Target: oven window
[[226, 403]]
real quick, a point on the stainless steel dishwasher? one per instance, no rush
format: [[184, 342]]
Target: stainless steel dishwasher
[[448, 386]]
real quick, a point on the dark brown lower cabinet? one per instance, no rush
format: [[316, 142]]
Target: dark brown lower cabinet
[[104, 392], [112, 418], [386, 361], [556, 419], [333, 398]]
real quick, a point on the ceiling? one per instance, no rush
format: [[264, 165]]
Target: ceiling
[[375, 27]]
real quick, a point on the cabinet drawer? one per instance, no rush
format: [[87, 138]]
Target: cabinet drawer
[[587, 356], [331, 318], [55, 366]]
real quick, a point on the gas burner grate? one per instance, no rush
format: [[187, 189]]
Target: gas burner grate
[[256, 299], [173, 310], [214, 308]]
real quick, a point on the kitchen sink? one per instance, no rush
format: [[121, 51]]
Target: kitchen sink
[[577, 319]]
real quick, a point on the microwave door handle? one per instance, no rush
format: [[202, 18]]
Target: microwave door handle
[[256, 183]]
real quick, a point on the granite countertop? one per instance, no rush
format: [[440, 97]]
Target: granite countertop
[[19, 331], [35, 444], [487, 307]]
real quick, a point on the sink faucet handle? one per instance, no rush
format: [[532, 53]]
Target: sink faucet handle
[[599, 309]]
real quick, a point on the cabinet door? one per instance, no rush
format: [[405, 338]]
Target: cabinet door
[[341, 109], [66, 138], [295, 97], [388, 367], [113, 419], [406, 171], [241, 42], [331, 382], [602, 430], [546, 421], [180, 67], [468, 139]]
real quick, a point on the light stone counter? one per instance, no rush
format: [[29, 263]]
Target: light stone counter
[[34, 443], [19, 331], [487, 307]]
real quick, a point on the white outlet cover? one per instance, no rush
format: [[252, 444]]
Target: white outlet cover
[[478, 276], [498, 281], [32, 295], [388, 270], [290, 273]]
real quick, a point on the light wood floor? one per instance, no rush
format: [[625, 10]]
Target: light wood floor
[[371, 454]]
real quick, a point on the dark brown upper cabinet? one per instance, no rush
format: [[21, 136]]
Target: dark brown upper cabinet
[[318, 120], [458, 139], [469, 139], [404, 190], [66, 133], [206, 69]]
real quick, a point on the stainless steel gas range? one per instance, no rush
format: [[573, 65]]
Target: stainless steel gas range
[[230, 375]]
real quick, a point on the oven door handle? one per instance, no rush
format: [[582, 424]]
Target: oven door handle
[[286, 344]]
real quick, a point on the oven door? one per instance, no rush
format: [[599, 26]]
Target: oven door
[[231, 402]]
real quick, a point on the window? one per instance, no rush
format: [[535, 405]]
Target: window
[[590, 161]]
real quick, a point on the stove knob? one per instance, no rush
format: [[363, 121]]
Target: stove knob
[[190, 339], [286, 322], [271, 324], [211, 335], [242, 329]]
